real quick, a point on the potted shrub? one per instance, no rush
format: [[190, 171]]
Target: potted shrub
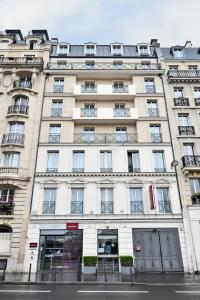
[[127, 266], [90, 264]]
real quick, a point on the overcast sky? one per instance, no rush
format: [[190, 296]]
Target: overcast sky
[[104, 21]]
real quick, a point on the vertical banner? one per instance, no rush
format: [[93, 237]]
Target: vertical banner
[[152, 197]]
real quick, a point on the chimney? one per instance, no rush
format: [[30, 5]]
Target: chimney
[[188, 44], [154, 43]]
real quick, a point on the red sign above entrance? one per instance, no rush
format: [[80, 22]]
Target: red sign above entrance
[[33, 245], [72, 226]]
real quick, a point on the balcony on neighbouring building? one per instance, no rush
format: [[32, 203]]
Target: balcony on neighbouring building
[[191, 161], [104, 91], [25, 84], [54, 138], [76, 207], [106, 207], [196, 199], [6, 205], [105, 138], [13, 138], [197, 101], [9, 170], [181, 101], [186, 130], [18, 110], [10, 62], [102, 115], [183, 75]]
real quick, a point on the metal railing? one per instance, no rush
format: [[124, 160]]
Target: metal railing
[[54, 138], [106, 170], [123, 89], [161, 170], [52, 170], [136, 207], [150, 89], [197, 101], [58, 88], [26, 84], [76, 207], [195, 200], [88, 112], [49, 207], [186, 130], [121, 112], [21, 61], [181, 101], [103, 66], [6, 205], [13, 138], [77, 170], [156, 137], [134, 170], [183, 74], [56, 112], [191, 161], [86, 89], [153, 112], [9, 170], [106, 207], [164, 206], [105, 138], [18, 109]]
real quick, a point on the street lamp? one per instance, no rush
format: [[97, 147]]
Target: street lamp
[[174, 163]]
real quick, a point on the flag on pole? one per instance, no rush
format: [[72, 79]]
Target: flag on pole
[[152, 197]]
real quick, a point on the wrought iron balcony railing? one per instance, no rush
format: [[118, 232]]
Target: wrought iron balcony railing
[[56, 112], [25, 84], [77, 170], [106, 170], [150, 89], [54, 138], [123, 89], [181, 101], [18, 109], [52, 170], [104, 138], [195, 199], [153, 112], [9, 170], [161, 170], [58, 88], [76, 207], [191, 161], [13, 138], [106, 207], [121, 112], [164, 206], [136, 207], [156, 137], [6, 205], [197, 101], [133, 170], [103, 66], [49, 207], [186, 130], [88, 112], [90, 89], [183, 74], [14, 61]]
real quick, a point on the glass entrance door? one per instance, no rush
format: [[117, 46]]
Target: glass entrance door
[[73, 244]]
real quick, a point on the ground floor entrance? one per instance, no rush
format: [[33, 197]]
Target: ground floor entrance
[[157, 250]]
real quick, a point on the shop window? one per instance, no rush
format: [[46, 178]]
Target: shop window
[[107, 242]]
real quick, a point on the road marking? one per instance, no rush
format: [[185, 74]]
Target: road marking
[[139, 292], [188, 292], [23, 291]]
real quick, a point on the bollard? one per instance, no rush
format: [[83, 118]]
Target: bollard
[[29, 273]]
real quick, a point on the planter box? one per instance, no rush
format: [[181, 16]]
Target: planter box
[[89, 270], [125, 270]]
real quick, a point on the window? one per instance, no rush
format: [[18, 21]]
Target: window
[[133, 161], [116, 50], [178, 53], [143, 50], [117, 65], [49, 202], [158, 160], [89, 110], [163, 200], [106, 161], [54, 133], [58, 85], [119, 87], [152, 108], [149, 86], [145, 65], [33, 45], [188, 149], [77, 200], [121, 134], [4, 44], [89, 87], [56, 110], [21, 101], [52, 161], [136, 200], [11, 159], [63, 49], [7, 195], [90, 64], [17, 128], [155, 132], [195, 190], [78, 161], [62, 64], [173, 67], [89, 134], [120, 111], [178, 92], [183, 119], [90, 50], [106, 200], [192, 67], [107, 243]]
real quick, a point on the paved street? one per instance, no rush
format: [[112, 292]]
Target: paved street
[[95, 292]]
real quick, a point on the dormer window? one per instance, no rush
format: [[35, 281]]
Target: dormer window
[[90, 49], [143, 50], [178, 53], [63, 49], [33, 45], [4, 44], [116, 50]]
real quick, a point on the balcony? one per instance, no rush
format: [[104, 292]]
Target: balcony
[[105, 138], [18, 110], [24, 84], [150, 89], [58, 89], [160, 170], [104, 91], [191, 161], [156, 137], [164, 206], [9, 170], [136, 207], [183, 76], [52, 170], [106, 207], [5, 242], [153, 112], [186, 130], [106, 170], [10, 62], [6, 206], [56, 112], [49, 207], [13, 138], [197, 101], [76, 207], [54, 138], [196, 199], [102, 115], [77, 170], [181, 101]]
